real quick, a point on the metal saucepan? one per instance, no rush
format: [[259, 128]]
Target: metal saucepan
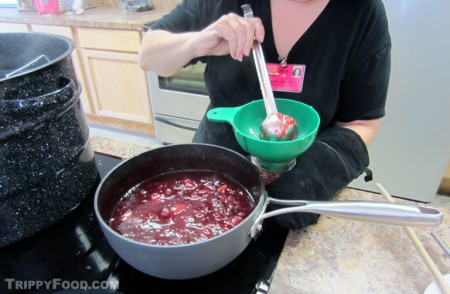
[[201, 258]]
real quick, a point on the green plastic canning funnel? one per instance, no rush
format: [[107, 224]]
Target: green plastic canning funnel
[[247, 119]]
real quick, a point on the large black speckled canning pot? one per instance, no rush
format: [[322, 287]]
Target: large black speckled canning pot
[[194, 260], [46, 163]]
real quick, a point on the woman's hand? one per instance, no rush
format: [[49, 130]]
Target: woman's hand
[[231, 34], [166, 53]]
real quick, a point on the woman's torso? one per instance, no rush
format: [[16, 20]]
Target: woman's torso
[[328, 43]]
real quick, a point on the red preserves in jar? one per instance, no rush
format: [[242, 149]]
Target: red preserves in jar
[[182, 207]]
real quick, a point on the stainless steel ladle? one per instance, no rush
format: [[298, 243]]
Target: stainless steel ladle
[[276, 126]]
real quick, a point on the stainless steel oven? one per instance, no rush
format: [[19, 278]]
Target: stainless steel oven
[[178, 103]]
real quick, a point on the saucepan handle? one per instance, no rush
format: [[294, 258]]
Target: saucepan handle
[[366, 211]]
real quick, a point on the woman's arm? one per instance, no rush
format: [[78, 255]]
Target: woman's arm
[[366, 129], [165, 53]]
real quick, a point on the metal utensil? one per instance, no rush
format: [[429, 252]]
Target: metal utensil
[[35, 63], [441, 242], [276, 126]]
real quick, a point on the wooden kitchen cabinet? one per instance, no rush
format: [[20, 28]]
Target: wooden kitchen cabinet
[[118, 87], [76, 60]]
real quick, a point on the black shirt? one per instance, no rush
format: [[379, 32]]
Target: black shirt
[[346, 52]]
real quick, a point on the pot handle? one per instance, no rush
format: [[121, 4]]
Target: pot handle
[[223, 114], [367, 211]]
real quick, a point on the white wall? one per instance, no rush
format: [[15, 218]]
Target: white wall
[[411, 152]]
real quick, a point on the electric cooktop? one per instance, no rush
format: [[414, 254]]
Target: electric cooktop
[[73, 256]]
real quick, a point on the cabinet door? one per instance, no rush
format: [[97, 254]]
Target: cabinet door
[[119, 88], [67, 32]]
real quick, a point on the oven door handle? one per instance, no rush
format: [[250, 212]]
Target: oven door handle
[[170, 122]]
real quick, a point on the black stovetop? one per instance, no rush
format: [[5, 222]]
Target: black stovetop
[[74, 253]]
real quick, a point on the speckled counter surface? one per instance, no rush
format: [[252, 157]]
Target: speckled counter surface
[[342, 256], [100, 17], [116, 148]]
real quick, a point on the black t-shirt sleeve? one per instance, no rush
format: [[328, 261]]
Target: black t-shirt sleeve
[[364, 93], [365, 83], [185, 17]]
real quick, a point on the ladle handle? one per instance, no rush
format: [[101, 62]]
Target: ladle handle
[[366, 211], [261, 69]]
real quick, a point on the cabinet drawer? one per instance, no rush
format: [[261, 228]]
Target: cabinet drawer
[[104, 39], [13, 27], [56, 30]]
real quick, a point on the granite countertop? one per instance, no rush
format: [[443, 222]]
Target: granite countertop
[[343, 256], [116, 148], [99, 17]]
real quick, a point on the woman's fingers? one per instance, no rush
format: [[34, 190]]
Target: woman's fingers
[[229, 30], [239, 33]]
